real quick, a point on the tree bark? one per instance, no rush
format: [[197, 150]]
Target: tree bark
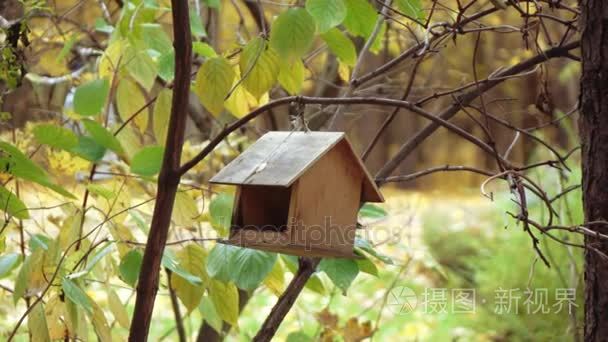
[[593, 124], [279, 311], [168, 179]]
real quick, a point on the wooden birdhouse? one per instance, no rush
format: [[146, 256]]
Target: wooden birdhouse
[[298, 193]]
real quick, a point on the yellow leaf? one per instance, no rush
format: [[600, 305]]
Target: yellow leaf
[[120, 232], [118, 309], [237, 103], [276, 279], [259, 67], [161, 115], [116, 207], [130, 100], [70, 229], [291, 76], [343, 71], [185, 212], [37, 324], [37, 279], [109, 61], [102, 328], [70, 262], [129, 139], [192, 259], [213, 82], [225, 298], [55, 313]]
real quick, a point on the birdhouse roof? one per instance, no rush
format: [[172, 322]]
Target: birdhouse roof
[[280, 158]]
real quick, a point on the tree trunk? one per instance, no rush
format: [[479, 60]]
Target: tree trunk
[[594, 137]]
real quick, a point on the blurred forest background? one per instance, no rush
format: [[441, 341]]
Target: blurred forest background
[[437, 231]]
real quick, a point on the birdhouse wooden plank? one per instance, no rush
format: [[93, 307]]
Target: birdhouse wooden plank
[[298, 193]]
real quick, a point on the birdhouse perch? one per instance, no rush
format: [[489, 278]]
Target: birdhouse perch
[[298, 193]]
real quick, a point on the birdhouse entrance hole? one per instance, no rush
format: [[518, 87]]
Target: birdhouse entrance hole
[[262, 208]]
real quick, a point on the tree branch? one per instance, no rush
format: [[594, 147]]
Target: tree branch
[[334, 101], [467, 98], [169, 176], [279, 311], [179, 323]]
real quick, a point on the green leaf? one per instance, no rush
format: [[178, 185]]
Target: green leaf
[[341, 46], [342, 272], [88, 149], [37, 325], [412, 8], [161, 115], [55, 136], [366, 246], [131, 100], [100, 190], [12, 205], [192, 259], [367, 266], [166, 66], [259, 67], [298, 336], [39, 241], [76, 295], [378, 43], [203, 49], [105, 250], [89, 98], [102, 136], [209, 314], [130, 266], [315, 284], [212, 3], [372, 211], [218, 262], [19, 165], [327, 13], [291, 76], [225, 298], [170, 261], [102, 26], [23, 276], [155, 38], [360, 18], [220, 210], [213, 83], [196, 25], [8, 262], [292, 33], [249, 267], [67, 47], [148, 161]]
